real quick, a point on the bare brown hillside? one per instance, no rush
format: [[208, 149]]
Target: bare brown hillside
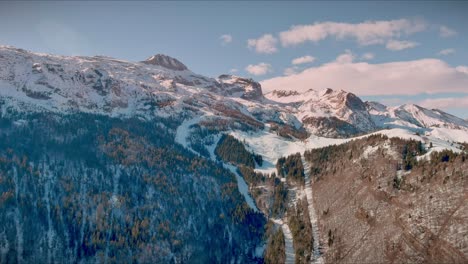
[[377, 204]]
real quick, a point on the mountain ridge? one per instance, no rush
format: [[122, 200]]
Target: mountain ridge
[[109, 160], [164, 86]]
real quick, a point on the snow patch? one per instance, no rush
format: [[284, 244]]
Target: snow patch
[[183, 132], [241, 184], [317, 254], [288, 239]]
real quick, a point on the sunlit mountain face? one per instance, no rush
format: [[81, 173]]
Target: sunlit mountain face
[[102, 156], [308, 138]]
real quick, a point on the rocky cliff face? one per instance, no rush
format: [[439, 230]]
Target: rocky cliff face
[[247, 89]]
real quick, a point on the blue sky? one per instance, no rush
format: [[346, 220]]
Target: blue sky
[[352, 46]]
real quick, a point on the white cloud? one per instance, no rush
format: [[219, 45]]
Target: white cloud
[[265, 44], [259, 69], [446, 52], [393, 101], [225, 39], [400, 44], [362, 78], [463, 69], [367, 56], [446, 32], [347, 57], [445, 103], [303, 59], [233, 70], [365, 33], [291, 70]]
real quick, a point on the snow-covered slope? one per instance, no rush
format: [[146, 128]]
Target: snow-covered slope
[[328, 112], [410, 115], [165, 87]]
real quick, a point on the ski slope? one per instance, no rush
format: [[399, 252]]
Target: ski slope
[[272, 147], [288, 239], [317, 254]]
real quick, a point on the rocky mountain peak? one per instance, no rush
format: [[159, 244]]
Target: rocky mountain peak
[[247, 88], [327, 91], [284, 93], [121, 88], [166, 62], [354, 102]]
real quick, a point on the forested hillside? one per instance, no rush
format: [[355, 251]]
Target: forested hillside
[[91, 188]]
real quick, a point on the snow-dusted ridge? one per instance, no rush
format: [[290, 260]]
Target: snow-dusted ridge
[[164, 86], [272, 146], [273, 125], [161, 86]]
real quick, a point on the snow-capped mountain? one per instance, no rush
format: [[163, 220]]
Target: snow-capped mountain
[[111, 160], [164, 86], [166, 62], [328, 112], [414, 115]]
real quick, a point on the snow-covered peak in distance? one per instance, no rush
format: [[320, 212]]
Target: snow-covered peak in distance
[[328, 112], [242, 87], [411, 115], [163, 86], [292, 96], [166, 62]]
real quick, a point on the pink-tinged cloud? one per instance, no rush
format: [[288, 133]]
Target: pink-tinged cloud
[[365, 33], [362, 78], [367, 56], [396, 45], [265, 44], [303, 60], [259, 69], [446, 52], [446, 103]]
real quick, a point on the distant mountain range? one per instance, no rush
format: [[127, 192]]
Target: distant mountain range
[[164, 86]]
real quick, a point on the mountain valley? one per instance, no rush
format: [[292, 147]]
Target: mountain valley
[[110, 161]]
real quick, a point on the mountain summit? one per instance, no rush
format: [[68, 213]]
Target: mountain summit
[[35, 82], [105, 160], [166, 62]]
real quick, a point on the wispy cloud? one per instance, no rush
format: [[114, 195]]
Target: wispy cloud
[[367, 56], [446, 52], [446, 32], [393, 78], [392, 101], [225, 39], [347, 57], [400, 45], [303, 60], [234, 70], [290, 70], [265, 44], [445, 103], [259, 69], [365, 33]]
